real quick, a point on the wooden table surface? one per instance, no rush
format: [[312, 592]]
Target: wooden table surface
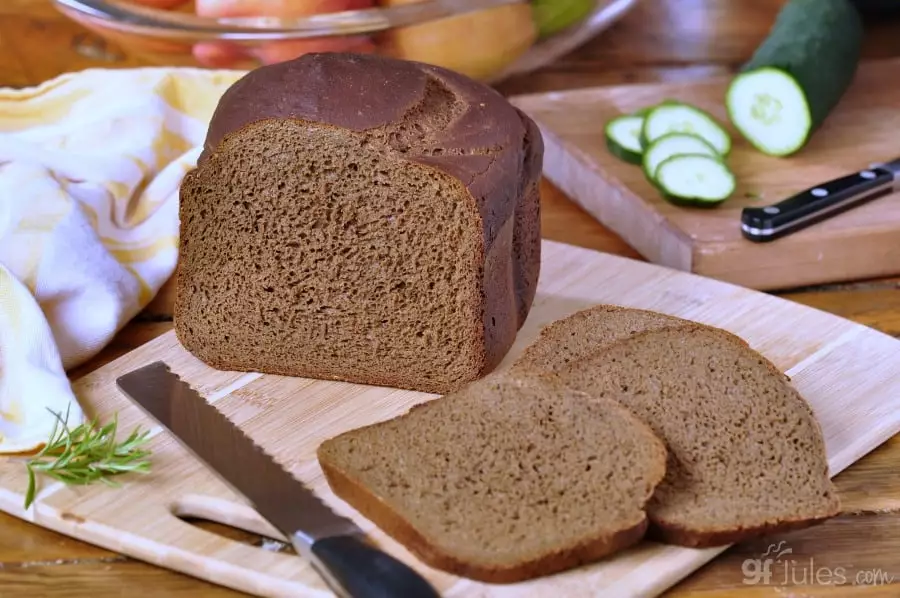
[[854, 555]]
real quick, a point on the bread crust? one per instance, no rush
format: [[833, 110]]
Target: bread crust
[[491, 148], [394, 525], [671, 533]]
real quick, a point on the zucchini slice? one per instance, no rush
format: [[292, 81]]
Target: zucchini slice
[[670, 145], [623, 138], [695, 179], [674, 117], [797, 75]]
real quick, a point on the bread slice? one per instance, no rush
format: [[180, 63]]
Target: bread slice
[[585, 332], [746, 454], [360, 218], [504, 480]]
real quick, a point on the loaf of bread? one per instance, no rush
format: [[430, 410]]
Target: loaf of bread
[[746, 454], [360, 218], [504, 480]]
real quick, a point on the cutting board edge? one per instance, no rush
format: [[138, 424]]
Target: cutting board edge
[[708, 265], [711, 80], [213, 568], [587, 90]]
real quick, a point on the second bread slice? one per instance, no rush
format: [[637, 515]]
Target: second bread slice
[[746, 454], [504, 480]]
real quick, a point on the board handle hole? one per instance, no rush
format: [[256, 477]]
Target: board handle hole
[[230, 520]]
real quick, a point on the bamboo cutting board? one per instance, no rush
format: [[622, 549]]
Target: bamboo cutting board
[[861, 243], [848, 372]]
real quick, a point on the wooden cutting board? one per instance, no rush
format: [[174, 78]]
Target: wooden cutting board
[[849, 373], [861, 243]]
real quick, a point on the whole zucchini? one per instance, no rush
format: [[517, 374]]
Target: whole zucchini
[[797, 75]]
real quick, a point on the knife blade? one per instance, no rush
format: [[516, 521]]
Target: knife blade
[[812, 205], [335, 546]]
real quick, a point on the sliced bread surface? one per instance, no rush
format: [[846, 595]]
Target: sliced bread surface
[[504, 480], [746, 454], [363, 219], [585, 332]]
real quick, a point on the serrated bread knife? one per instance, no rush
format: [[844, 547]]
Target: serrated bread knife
[[822, 201], [335, 546]]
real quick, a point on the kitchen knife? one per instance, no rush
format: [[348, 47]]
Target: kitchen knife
[[336, 547], [817, 203]]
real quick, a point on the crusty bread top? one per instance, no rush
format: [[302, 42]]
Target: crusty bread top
[[586, 332], [503, 480], [430, 115]]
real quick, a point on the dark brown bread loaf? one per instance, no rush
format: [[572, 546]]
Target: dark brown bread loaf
[[360, 218], [504, 480], [586, 332], [746, 454]]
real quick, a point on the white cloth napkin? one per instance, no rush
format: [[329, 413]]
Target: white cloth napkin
[[90, 165]]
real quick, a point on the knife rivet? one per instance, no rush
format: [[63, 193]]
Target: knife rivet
[[819, 192], [771, 210], [868, 174]]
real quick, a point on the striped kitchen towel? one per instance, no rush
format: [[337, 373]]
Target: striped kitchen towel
[[90, 165]]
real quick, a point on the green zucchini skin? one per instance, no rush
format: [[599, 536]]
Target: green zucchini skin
[[818, 43], [617, 149], [622, 153]]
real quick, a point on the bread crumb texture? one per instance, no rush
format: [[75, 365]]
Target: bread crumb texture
[[746, 454], [363, 219], [504, 480]]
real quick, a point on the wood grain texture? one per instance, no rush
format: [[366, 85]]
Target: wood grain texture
[[849, 373], [661, 41], [862, 243]]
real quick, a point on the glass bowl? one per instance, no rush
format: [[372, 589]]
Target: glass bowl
[[488, 40]]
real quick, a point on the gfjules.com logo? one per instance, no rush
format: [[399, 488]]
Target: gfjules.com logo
[[778, 567]]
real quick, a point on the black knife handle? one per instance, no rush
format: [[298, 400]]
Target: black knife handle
[[815, 204], [363, 571]]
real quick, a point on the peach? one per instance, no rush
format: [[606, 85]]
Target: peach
[[478, 44], [163, 4], [274, 8], [228, 55]]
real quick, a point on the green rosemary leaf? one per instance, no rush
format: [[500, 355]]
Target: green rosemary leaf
[[86, 454], [29, 494]]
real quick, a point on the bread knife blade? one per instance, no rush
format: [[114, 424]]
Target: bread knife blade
[[767, 223], [335, 546]]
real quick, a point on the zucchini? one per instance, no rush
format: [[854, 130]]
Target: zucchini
[[695, 180], [623, 138], [678, 117], [671, 144], [797, 75]]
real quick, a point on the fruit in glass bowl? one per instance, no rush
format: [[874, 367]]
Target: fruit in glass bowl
[[225, 54], [484, 39], [476, 44]]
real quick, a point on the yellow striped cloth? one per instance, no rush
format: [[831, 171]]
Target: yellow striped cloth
[[90, 165]]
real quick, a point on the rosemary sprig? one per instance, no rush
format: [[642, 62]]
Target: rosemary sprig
[[87, 453]]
